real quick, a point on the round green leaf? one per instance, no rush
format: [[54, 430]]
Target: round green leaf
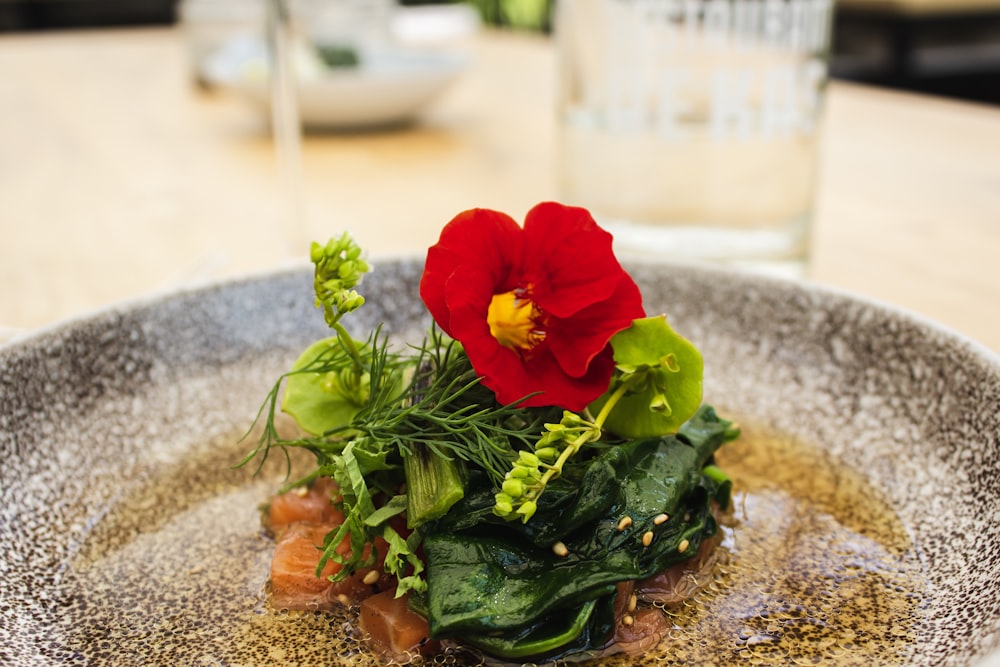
[[673, 390], [312, 399]]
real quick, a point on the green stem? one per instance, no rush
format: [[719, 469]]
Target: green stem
[[612, 401], [433, 485], [556, 469], [348, 343]]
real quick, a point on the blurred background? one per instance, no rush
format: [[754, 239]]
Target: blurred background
[[121, 177], [940, 47]]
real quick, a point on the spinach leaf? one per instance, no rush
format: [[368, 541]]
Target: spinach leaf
[[556, 636], [487, 577]]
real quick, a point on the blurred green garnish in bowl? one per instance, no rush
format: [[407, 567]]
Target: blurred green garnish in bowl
[[337, 56]]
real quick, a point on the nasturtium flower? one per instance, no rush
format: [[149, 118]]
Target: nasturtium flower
[[535, 306]]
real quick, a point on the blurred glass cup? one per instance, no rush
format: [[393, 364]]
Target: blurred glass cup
[[690, 128]]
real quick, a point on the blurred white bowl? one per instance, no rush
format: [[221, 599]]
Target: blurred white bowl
[[387, 87]]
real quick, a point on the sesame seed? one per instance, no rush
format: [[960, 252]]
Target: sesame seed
[[633, 602], [647, 538], [683, 546], [560, 549], [300, 491], [344, 600], [371, 577], [627, 620], [660, 518], [624, 523]]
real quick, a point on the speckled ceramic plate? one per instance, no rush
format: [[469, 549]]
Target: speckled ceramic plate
[[127, 538]]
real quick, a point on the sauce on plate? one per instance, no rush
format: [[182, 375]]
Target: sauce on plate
[[814, 566]]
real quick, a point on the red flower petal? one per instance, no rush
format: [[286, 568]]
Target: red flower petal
[[576, 341], [488, 240], [469, 293], [513, 381], [438, 268], [569, 259]]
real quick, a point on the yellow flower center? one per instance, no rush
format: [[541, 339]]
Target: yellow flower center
[[514, 320]]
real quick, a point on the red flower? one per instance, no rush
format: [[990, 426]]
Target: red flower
[[535, 308]]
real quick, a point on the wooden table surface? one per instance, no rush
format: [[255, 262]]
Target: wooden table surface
[[119, 178]]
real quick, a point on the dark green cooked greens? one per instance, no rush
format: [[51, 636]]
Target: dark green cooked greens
[[501, 586]]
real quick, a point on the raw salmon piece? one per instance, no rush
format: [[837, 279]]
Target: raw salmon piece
[[393, 629], [294, 584], [361, 583], [312, 505]]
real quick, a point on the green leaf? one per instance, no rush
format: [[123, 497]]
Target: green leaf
[[401, 558], [551, 636], [317, 399], [668, 380], [395, 506], [355, 485]]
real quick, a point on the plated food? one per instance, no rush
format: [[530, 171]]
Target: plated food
[[522, 483], [129, 540]]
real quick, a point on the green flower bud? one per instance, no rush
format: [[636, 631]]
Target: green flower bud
[[503, 509], [527, 510], [513, 488], [571, 419], [548, 439], [547, 454], [527, 458], [519, 472], [315, 252], [351, 301]]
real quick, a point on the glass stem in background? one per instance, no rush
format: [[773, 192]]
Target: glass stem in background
[[286, 125]]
